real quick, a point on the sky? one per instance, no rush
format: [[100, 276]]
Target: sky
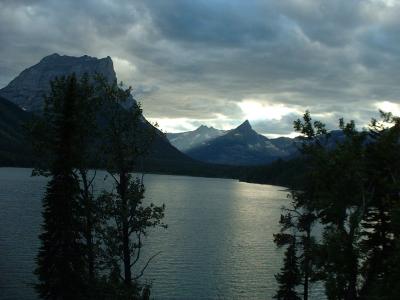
[[220, 62]]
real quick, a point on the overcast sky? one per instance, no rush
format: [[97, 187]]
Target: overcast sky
[[218, 62]]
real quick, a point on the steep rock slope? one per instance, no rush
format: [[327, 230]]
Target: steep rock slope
[[28, 88]]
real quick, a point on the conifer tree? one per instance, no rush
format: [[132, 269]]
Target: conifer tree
[[303, 205], [43, 133], [60, 261], [381, 235], [352, 189], [342, 200], [290, 277]]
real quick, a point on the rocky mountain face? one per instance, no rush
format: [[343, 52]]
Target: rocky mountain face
[[28, 88], [239, 146], [192, 139]]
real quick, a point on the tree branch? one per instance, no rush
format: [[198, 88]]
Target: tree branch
[[146, 265], [94, 176], [138, 251]]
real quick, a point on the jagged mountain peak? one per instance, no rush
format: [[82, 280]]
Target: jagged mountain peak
[[205, 128], [239, 146], [245, 124], [202, 127], [83, 58], [28, 88], [246, 130]]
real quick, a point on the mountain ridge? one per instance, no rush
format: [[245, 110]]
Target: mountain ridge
[[239, 146], [28, 87], [190, 139]]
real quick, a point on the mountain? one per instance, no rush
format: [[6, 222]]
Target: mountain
[[14, 148], [288, 146], [24, 95], [28, 88], [192, 139], [239, 146]]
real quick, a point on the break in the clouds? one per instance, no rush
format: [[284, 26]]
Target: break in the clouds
[[223, 61]]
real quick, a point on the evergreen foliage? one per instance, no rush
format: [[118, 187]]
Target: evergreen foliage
[[352, 191], [86, 240], [60, 261], [289, 278]]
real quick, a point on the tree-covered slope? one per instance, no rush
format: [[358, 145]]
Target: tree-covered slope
[[14, 147]]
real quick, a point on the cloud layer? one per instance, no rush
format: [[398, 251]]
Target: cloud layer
[[201, 62]]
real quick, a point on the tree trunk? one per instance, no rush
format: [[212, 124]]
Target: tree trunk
[[306, 263], [352, 289], [354, 269], [123, 187], [89, 226]]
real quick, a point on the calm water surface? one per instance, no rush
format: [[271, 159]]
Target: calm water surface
[[218, 244]]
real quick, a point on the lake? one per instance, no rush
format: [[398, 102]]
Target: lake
[[218, 244]]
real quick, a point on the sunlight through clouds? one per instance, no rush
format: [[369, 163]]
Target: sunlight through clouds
[[124, 68], [289, 135], [388, 3], [171, 125], [388, 106], [266, 61], [255, 110]]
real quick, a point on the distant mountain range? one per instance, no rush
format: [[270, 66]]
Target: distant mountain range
[[185, 141], [242, 146], [239, 146]]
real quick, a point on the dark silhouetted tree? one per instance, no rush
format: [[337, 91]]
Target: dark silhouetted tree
[[61, 258], [290, 277], [44, 134], [352, 189], [126, 218], [380, 223]]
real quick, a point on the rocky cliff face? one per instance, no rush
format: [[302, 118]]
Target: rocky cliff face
[[28, 88]]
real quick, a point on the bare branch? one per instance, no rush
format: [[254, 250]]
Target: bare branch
[[146, 265], [115, 179], [292, 210], [138, 251], [93, 178]]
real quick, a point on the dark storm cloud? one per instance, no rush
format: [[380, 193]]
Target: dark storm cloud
[[213, 23], [197, 60]]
